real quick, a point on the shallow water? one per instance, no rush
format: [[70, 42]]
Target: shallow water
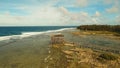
[[25, 53], [31, 52], [97, 41]]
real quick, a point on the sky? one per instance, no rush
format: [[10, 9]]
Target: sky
[[59, 12]]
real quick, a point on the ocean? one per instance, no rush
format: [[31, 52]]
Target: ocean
[[24, 31]]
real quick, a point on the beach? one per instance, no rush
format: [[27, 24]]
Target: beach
[[30, 52]]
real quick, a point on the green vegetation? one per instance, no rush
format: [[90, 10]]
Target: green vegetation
[[112, 28], [107, 56]]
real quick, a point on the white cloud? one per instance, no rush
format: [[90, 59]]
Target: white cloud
[[38, 16], [96, 21], [84, 14], [46, 13], [82, 3], [64, 10], [118, 19], [113, 9], [79, 18], [108, 1], [97, 14]]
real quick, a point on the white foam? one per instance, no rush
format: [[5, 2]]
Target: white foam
[[29, 34], [12, 37], [5, 38]]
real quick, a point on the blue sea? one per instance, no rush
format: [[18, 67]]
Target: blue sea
[[19, 30]]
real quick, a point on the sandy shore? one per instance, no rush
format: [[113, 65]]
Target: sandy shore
[[30, 52]]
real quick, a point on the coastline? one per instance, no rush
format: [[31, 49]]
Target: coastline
[[30, 34], [27, 52], [7, 40], [31, 51]]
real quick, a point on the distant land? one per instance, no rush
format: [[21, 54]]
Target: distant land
[[112, 28]]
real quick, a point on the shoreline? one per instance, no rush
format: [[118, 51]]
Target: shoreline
[[31, 51], [30, 34]]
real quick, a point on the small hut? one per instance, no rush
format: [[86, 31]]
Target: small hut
[[57, 39]]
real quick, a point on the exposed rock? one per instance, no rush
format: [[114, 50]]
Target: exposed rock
[[75, 57], [68, 52]]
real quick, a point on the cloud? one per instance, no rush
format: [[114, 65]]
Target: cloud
[[95, 20], [97, 14], [64, 10], [58, 12], [84, 14], [115, 8], [8, 19], [118, 19], [82, 3], [108, 1], [79, 18], [37, 16]]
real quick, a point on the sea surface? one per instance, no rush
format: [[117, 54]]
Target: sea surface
[[24, 31]]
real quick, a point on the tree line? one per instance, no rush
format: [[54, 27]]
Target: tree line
[[112, 28]]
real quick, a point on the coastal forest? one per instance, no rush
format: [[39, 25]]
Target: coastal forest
[[111, 28]]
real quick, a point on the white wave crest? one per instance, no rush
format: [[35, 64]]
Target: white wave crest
[[29, 34]]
